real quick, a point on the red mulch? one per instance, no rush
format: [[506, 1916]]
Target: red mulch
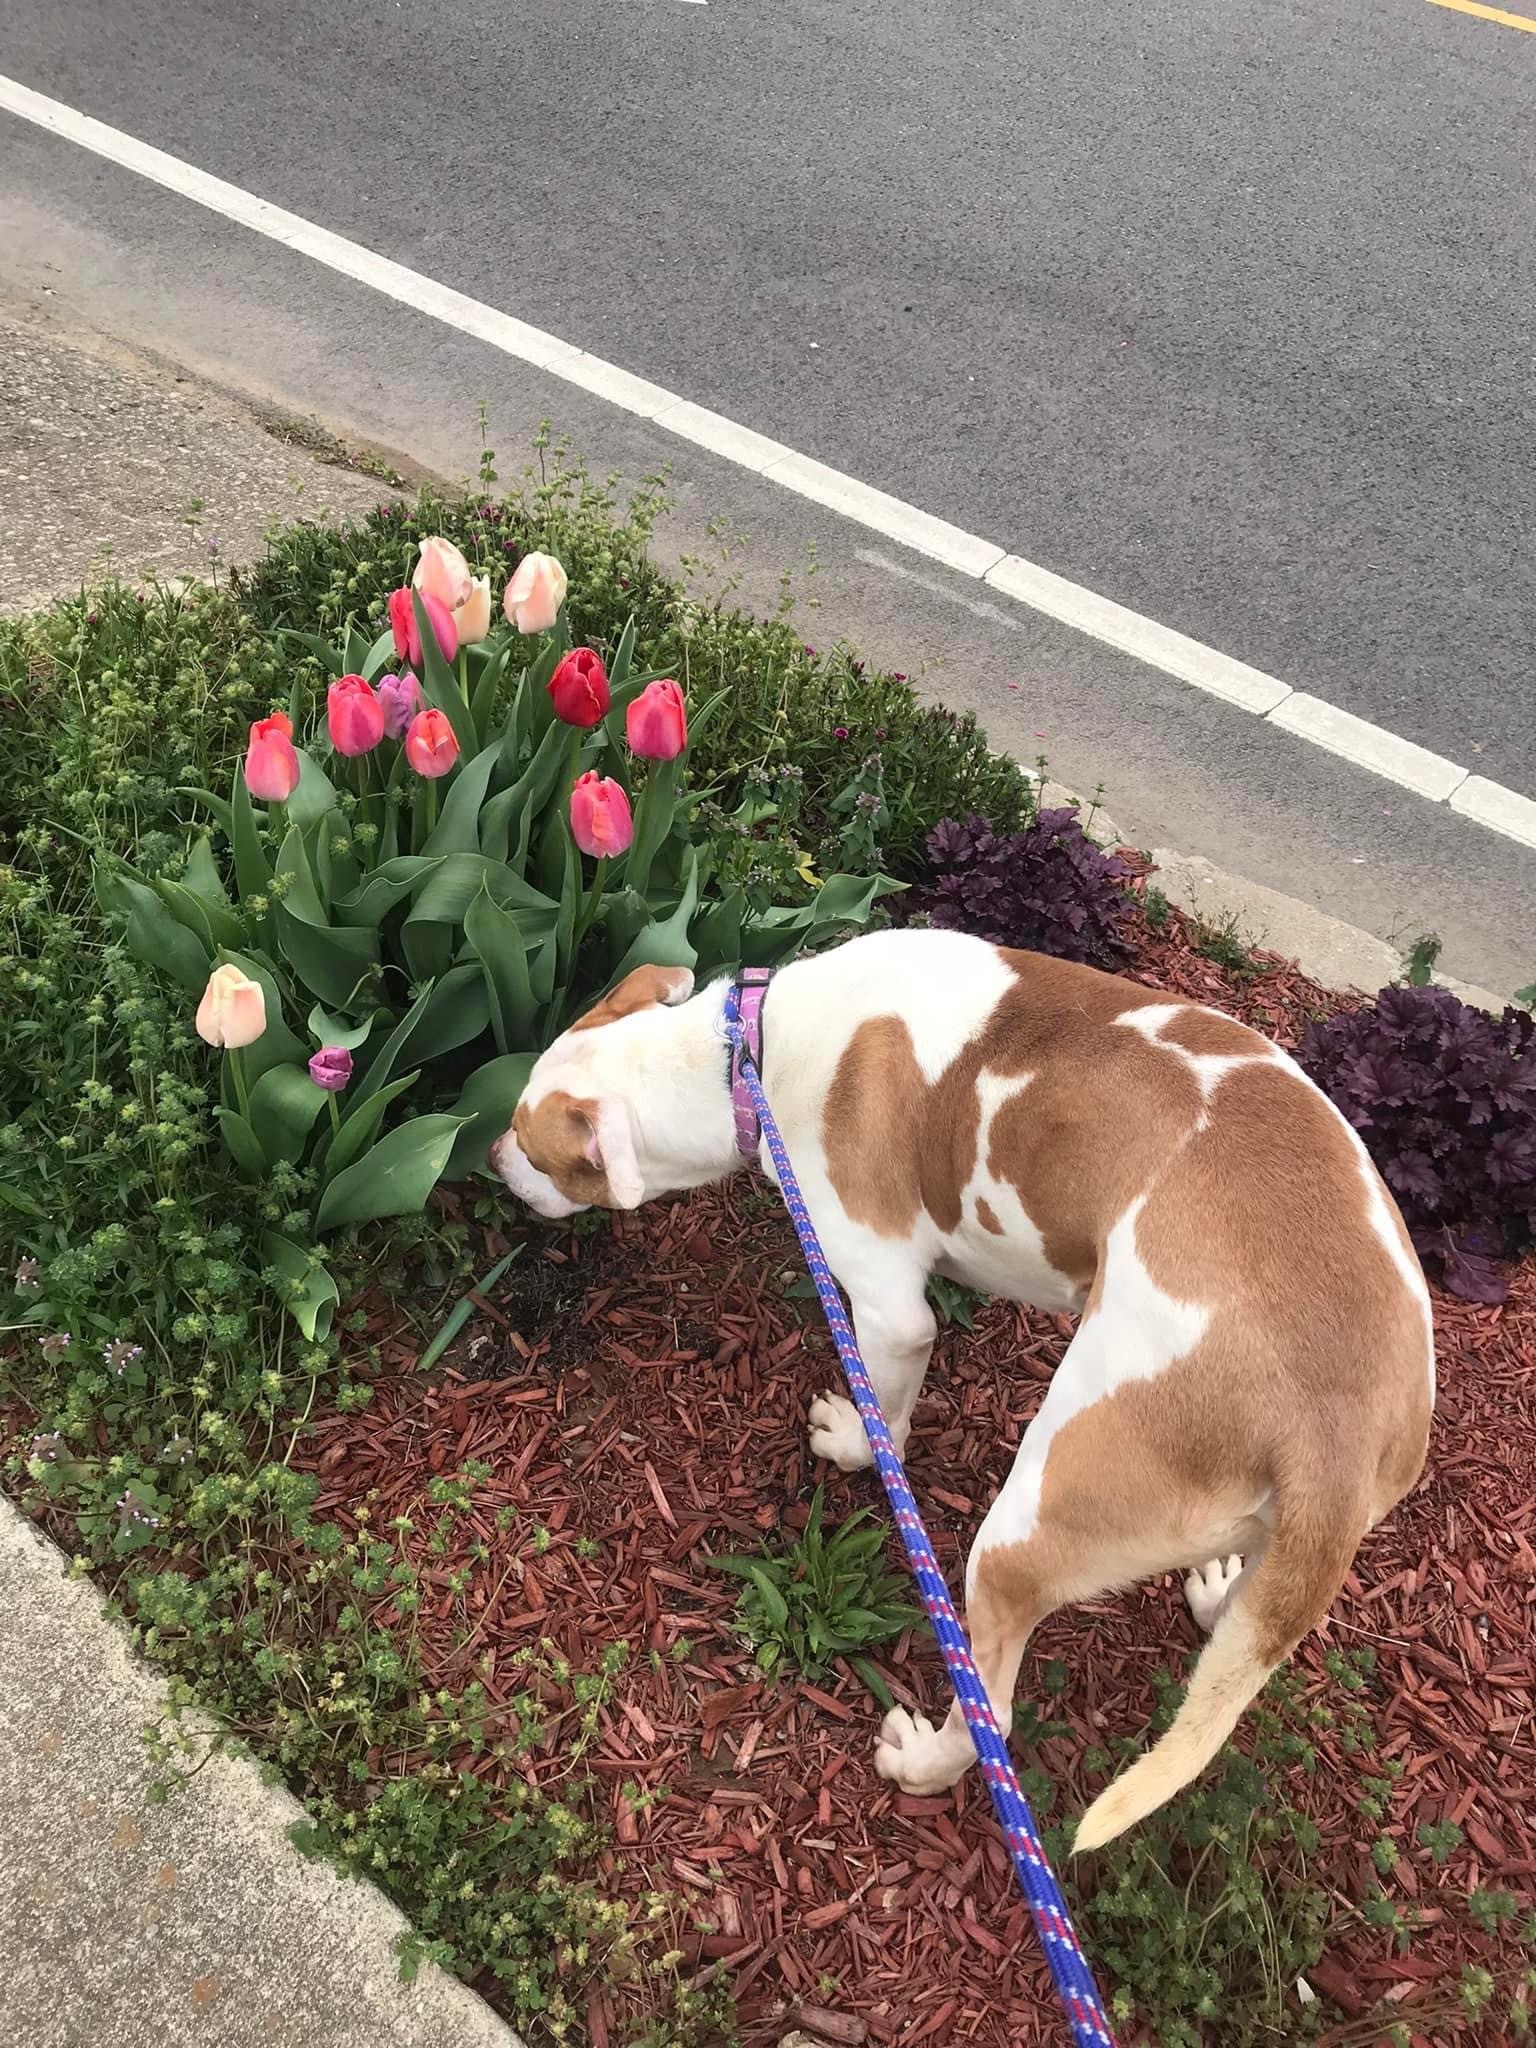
[[662, 1417]]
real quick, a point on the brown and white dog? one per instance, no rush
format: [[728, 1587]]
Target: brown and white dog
[[1250, 1385]]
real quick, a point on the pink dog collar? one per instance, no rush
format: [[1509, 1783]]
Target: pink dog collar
[[748, 993]]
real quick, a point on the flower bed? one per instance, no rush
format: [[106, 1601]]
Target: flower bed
[[399, 1550]]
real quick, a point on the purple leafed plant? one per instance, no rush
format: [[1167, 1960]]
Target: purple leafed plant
[[1444, 1097], [1048, 888]]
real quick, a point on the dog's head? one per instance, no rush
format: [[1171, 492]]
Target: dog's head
[[571, 1144]]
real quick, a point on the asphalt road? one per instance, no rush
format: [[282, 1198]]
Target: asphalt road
[[1225, 308]]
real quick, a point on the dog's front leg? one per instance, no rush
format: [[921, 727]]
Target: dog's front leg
[[895, 1329]]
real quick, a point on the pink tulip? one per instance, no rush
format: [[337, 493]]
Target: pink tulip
[[430, 744], [533, 597], [402, 623], [578, 689], [656, 725], [271, 765], [401, 698], [233, 1011], [354, 716], [601, 821]]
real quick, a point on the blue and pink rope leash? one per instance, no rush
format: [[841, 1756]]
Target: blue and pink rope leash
[[1063, 1951]]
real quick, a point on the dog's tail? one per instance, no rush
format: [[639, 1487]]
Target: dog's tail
[[1320, 1517]]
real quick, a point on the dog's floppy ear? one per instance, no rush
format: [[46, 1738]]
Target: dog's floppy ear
[[610, 1148], [641, 990]]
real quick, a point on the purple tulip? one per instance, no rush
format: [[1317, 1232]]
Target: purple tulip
[[331, 1068], [401, 698]]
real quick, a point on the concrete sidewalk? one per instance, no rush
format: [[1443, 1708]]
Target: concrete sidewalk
[[191, 1924]]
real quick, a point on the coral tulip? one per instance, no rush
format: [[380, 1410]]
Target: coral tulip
[[331, 1068], [400, 697], [657, 723], [430, 744], [233, 1011], [601, 821], [579, 689], [534, 595], [271, 765], [354, 716], [402, 623]]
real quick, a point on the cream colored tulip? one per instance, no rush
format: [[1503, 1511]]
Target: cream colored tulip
[[473, 616], [535, 594], [233, 1011], [442, 573]]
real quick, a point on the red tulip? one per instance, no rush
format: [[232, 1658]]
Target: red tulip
[[657, 723], [430, 744], [402, 623], [601, 821], [354, 716], [579, 688], [271, 765]]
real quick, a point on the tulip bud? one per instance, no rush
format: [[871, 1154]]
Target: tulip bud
[[579, 689], [431, 746], [353, 716], [400, 697], [534, 595], [601, 822], [331, 1068], [657, 722], [233, 1011], [271, 765]]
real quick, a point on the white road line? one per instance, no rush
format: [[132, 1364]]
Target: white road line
[[1357, 740]]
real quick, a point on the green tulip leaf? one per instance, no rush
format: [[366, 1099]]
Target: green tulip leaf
[[149, 930], [314, 796], [394, 1177], [283, 1108], [213, 923], [498, 945], [386, 887], [314, 1303], [488, 1099], [653, 821], [334, 962], [244, 1147], [458, 828], [380, 656], [201, 874], [665, 942], [328, 1030], [551, 762], [482, 696], [456, 1010], [253, 871], [358, 1128]]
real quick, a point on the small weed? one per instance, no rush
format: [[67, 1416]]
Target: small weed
[[1224, 944], [954, 1302], [1157, 908], [825, 1597], [1419, 959], [327, 447]]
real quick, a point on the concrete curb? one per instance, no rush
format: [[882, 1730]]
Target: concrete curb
[[1339, 955], [189, 1924]]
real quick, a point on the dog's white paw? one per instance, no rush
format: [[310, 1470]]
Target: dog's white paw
[[1206, 1590], [918, 1757], [838, 1434]]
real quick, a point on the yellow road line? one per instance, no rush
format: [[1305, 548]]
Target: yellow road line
[[1489, 13]]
